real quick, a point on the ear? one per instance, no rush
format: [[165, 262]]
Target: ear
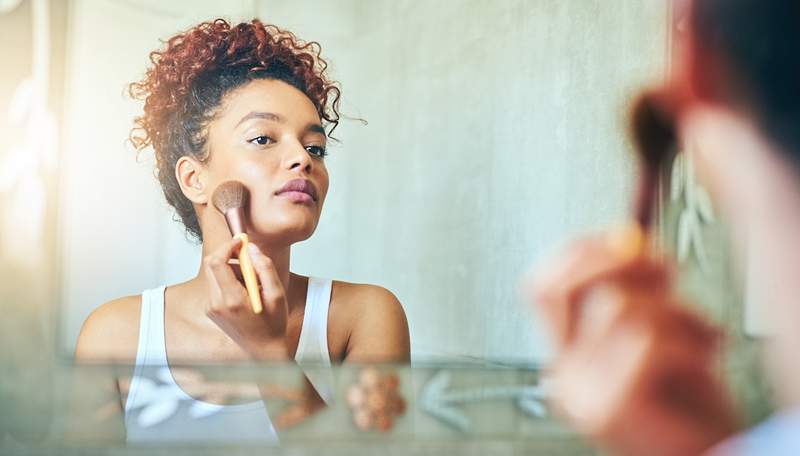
[[191, 175]]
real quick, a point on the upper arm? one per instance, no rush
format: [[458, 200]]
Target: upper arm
[[111, 332], [380, 331]]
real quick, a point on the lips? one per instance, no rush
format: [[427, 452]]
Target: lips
[[298, 188]]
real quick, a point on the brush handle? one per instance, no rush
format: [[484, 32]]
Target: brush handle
[[630, 240], [249, 274]]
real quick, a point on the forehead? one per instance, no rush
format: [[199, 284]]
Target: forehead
[[267, 95]]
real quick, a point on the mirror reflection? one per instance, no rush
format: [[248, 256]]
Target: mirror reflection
[[314, 185], [467, 146]]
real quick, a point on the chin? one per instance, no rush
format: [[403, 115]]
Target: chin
[[286, 231]]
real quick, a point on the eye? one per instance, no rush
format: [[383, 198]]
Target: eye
[[317, 151], [261, 140]]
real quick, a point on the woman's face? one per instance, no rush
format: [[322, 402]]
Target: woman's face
[[268, 136]]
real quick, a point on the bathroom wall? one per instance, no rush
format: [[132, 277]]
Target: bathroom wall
[[494, 130]]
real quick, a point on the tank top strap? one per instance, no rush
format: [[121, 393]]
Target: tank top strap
[[151, 328], [312, 347], [151, 350], [313, 355]]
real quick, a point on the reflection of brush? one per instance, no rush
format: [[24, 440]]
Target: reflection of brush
[[653, 131], [230, 198], [687, 392]]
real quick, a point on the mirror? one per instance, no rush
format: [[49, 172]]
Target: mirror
[[493, 132]]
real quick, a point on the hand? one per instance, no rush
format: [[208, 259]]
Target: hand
[[635, 367], [263, 335]]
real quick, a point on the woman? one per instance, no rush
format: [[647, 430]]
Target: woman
[[250, 103], [635, 368]]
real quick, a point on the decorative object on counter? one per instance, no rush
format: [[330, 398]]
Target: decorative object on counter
[[697, 211], [375, 400], [439, 400]]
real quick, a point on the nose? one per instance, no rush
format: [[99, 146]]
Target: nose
[[299, 159]]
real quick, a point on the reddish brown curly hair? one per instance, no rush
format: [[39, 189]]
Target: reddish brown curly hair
[[189, 77]]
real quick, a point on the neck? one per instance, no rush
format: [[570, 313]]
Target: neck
[[279, 254]]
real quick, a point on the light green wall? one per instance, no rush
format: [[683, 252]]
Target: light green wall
[[496, 129]]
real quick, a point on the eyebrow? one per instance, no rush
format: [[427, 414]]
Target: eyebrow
[[315, 128], [312, 127], [262, 115]]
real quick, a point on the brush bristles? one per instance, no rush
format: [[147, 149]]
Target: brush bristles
[[229, 195], [653, 130]]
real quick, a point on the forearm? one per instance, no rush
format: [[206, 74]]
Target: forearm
[[302, 399]]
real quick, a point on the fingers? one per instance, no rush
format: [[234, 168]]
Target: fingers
[[619, 324], [678, 381], [228, 292], [591, 260], [272, 292], [655, 361], [559, 289]]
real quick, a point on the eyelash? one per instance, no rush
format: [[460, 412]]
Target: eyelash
[[320, 151], [315, 151], [256, 142]]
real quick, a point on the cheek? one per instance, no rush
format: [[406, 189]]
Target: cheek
[[228, 166], [709, 158], [733, 163], [704, 170], [323, 182], [257, 175]]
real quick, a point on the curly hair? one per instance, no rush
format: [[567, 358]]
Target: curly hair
[[188, 79]]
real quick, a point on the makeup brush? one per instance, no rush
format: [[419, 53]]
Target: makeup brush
[[230, 198], [653, 124], [653, 130]]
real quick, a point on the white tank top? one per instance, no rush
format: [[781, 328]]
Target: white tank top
[[157, 409]]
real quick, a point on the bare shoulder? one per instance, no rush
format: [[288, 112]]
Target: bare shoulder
[[376, 324], [359, 300], [111, 332], [360, 294]]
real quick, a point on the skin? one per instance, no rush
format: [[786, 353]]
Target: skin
[[759, 193], [619, 322], [209, 318]]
